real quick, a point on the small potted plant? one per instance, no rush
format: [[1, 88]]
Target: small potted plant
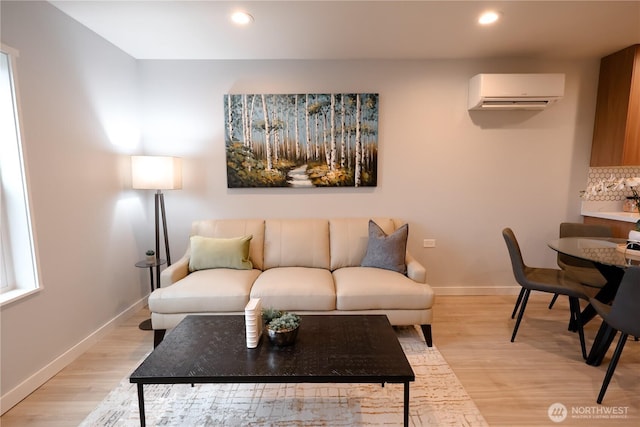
[[151, 256], [268, 314], [282, 327]]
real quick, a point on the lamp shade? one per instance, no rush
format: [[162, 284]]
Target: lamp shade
[[156, 173]]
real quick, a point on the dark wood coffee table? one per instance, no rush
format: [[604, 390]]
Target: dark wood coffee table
[[329, 349]]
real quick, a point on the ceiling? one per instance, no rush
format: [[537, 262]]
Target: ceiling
[[361, 29]]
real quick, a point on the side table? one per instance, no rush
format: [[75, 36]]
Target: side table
[[146, 325]]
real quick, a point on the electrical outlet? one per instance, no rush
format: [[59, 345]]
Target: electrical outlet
[[429, 243]]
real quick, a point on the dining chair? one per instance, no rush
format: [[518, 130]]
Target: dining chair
[[541, 279], [581, 270], [622, 315]]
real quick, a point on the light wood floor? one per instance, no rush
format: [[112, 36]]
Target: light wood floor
[[513, 384]]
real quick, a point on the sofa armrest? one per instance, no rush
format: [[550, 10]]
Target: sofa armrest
[[415, 270], [176, 271]]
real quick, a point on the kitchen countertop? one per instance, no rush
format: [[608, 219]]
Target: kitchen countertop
[[608, 210]]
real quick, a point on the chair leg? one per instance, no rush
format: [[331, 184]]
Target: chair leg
[[574, 305], [523, 305], [612, 366], [515, 308], [553, 301]]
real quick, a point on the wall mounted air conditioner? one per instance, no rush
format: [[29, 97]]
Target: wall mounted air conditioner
[[515, 91]]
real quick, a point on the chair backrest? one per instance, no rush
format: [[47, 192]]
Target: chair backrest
[[577, 229], [625, 310], [517, 263]]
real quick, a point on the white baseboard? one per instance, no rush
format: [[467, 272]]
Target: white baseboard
[[476, 290], [31, 384]]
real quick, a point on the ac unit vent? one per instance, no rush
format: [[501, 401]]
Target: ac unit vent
[[515, 91]]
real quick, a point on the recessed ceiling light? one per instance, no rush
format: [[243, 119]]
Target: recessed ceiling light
[[241, 18], [488, 18]]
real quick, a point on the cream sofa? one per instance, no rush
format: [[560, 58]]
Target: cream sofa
[[308, 266]]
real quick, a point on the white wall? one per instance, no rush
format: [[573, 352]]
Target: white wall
[[455, 176], [74, 89]]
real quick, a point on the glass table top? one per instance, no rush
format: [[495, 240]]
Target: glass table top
[[608, 251]]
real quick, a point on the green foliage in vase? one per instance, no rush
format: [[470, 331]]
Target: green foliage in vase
[[268, 314], [286, 322]]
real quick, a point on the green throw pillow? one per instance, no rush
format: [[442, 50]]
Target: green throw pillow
[[384, 251], [209, 252]]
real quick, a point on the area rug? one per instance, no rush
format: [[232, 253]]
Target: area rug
[[437, 399]]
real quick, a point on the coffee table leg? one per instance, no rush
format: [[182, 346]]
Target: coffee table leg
[[406, 404], [141, 405]]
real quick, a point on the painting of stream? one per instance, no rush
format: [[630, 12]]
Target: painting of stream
[[301, 140]]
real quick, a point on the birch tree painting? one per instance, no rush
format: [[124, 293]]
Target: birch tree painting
[[301, 140]]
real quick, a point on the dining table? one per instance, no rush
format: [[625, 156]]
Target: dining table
[[611, 257]]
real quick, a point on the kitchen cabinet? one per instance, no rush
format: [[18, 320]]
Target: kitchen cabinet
[[616, 131]]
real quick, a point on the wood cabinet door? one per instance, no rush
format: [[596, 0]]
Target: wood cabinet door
[[631, 154], [617, 122]]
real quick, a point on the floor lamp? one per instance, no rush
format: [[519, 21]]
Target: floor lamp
[[157, 173]]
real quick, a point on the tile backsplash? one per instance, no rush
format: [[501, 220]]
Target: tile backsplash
[[598, 174]]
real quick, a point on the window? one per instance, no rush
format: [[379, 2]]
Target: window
[[18, 273], [5, 272]]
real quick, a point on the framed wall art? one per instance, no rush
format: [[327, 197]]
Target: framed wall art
[[301, 140]]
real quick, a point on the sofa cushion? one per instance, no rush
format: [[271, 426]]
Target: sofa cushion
[[212, 252], [386, 251], [216, 290], [227, 228], [368, 288], [295, 288], [349, 237], [296, 243]]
